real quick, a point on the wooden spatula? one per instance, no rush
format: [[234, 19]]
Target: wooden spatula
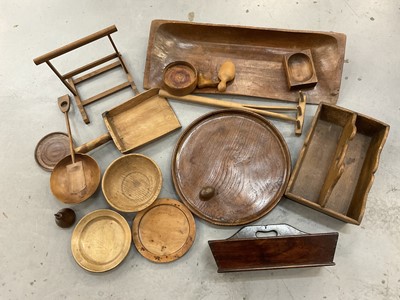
[[75, 171]]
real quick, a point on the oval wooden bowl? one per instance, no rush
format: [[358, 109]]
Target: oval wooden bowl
[[59, 179], [132, 182], [231, 167], [179, 78]]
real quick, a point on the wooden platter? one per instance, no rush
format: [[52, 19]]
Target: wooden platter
[[256, 52], [101, 240], [132, 182], [164, 232], [51, 149], [231, 167], [336, 166]]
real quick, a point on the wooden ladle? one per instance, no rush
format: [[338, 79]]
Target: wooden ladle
[[75, 172]]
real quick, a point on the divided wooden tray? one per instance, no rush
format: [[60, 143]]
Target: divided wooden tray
[[256, 52], [336, 166], [231, 167]]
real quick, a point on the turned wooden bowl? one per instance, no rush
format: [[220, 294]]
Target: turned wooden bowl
[[179, 78], [132, 182], [59, 179]]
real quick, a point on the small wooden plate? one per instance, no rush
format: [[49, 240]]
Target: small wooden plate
[[51, 149], [101, 240], [164, 232], [231, 167], [132, 182]]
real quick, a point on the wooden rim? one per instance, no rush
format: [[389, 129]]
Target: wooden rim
[[149, 184], [164, 232], [250, 218], [101, 240], [48, 153]]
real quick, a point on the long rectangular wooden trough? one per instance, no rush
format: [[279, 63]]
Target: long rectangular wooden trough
[[258, 54]]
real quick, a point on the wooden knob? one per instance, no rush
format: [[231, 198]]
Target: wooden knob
[[207, 193]]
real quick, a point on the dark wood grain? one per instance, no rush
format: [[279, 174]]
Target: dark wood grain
[[51, 149], [308, 250], [256, 52], [241, 156]]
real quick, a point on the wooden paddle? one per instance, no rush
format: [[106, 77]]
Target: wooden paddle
[[75, 172]]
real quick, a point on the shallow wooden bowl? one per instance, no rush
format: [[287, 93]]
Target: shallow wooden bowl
[[132, 182], [59, 179], [101, 240], [180, 78], [164, 232]]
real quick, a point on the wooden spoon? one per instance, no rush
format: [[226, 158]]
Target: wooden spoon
[[75, 172]]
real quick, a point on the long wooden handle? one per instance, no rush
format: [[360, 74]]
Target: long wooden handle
[[89, 146], [225, 104], [64, 104], [79, 43]]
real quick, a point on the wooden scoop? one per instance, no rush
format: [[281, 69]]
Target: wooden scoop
[[226, 73], [75, 172]]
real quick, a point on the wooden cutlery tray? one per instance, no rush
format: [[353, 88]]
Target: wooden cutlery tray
[[336, 166]]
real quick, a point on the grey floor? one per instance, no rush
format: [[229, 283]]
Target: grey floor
[[35, 255]]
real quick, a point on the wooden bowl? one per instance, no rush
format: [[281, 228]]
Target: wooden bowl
[[132, 182], [59, 179], [180, 78], [231, 167]]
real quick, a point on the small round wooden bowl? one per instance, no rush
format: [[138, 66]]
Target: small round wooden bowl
[[59, 179], [180, 78], [132, 182]]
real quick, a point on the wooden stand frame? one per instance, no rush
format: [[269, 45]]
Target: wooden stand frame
[[71, 83]]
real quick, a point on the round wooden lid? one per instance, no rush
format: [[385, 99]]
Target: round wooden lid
[[51, 149], [231, 167], [164, 232], [101, 240], [132, 182]]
